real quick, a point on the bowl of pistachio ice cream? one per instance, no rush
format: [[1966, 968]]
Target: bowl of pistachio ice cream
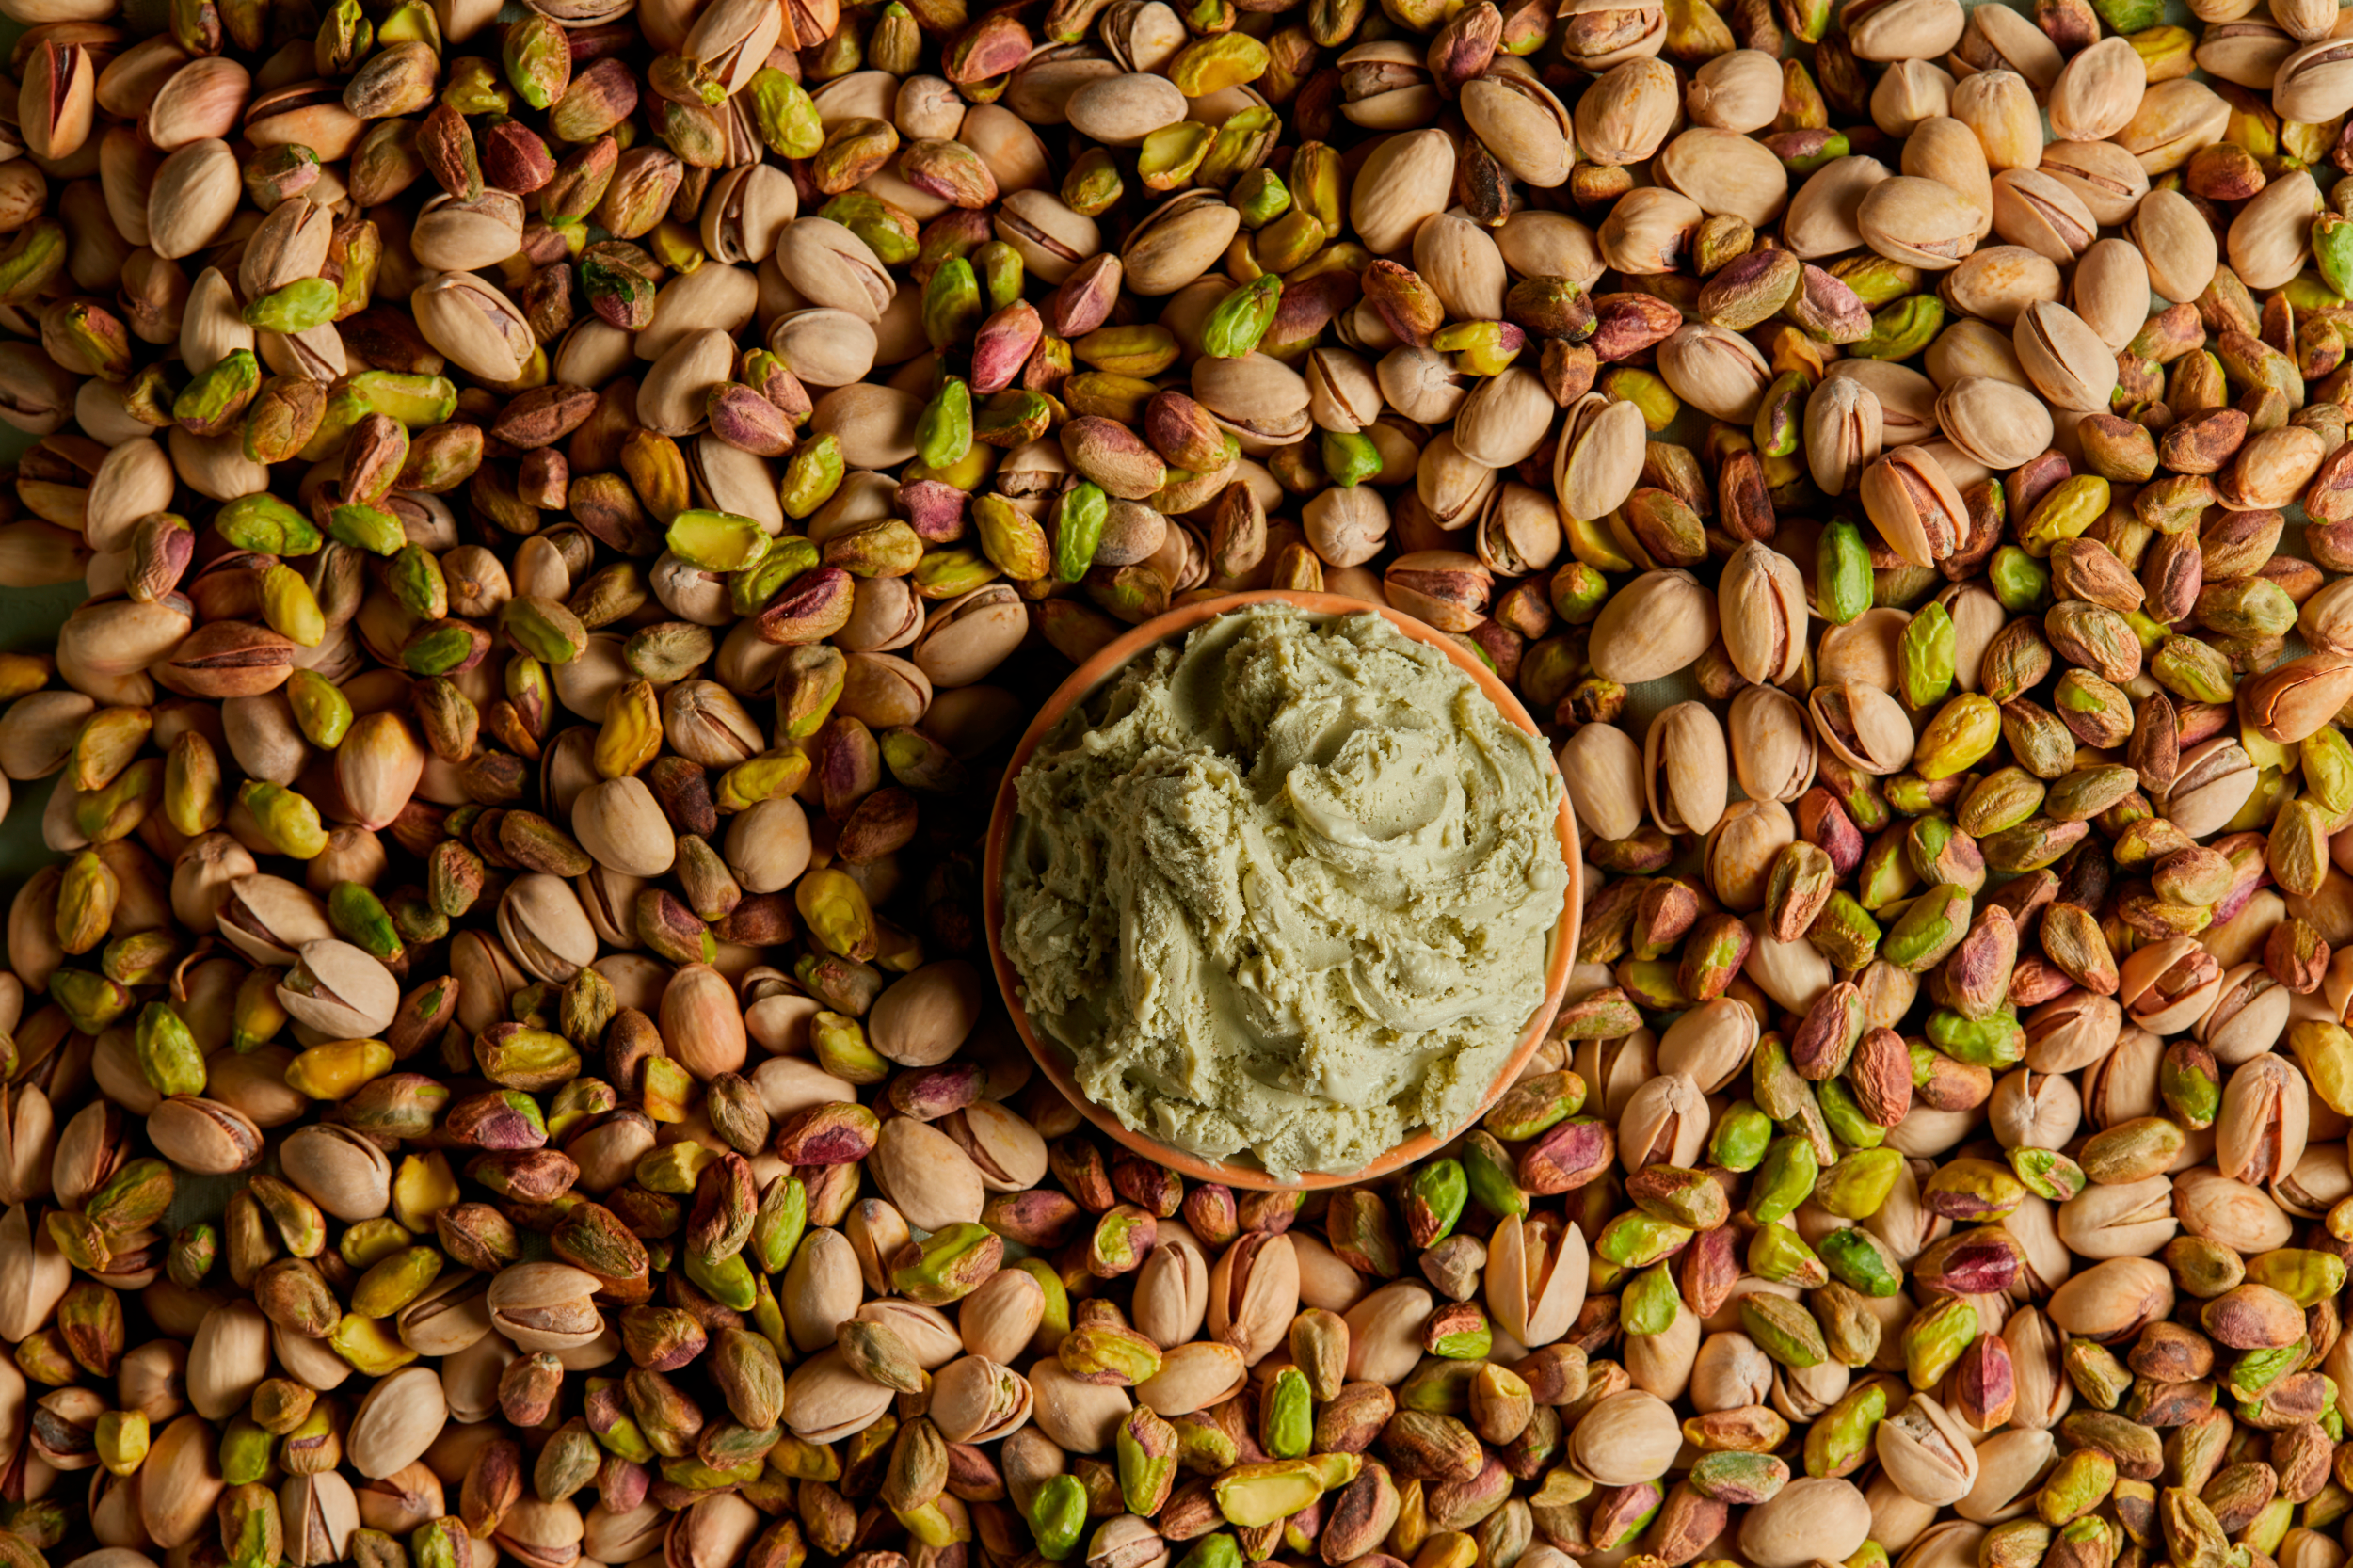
[[1282, 890]]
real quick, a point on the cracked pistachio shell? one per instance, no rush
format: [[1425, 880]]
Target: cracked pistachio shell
[[622, 826], [1761, 609], [1863, 726], [832, 267], [1718, 372], [1648, 231], [1997, 281], [1843, 429], [1626, 115], [2098, 92], [1810, 1518], [1521, 123], [2175, 119], [475, 325], [1408, 178], [1658, 624], [2035, 210], [1050, 238], [339, 990], [1121, 111], [2176, 242], [1507, 416], [1736, 91], [1685, 769], [1941, 148], [1725, 171], [1917, 221], [1179, 242], [1773, 749], [1603, 770], [1598, 459], [2270, 239], [2064, 359], [195, 193], [2314, 84], [2110, 290], [2108, 180], [1994, 423], [1915, 506], [1823, 219]]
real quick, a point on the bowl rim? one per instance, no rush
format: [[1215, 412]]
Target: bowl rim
[[1052, 1061]]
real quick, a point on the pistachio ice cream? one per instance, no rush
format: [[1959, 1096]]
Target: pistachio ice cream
[[1285, 890]]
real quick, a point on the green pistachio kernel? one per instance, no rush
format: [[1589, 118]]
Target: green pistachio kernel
[[1242, 318], [1350, 458], [1902, 329], [367, 528], [1741, 1135], [1079, 514], [1651, 1301], [1855, 1187], [943, 432], [1925, 655], [267, 526], [2021, 582], [1842, 573], [299, 306], [1784, 1179]]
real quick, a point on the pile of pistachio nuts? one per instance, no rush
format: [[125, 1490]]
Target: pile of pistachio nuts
[[579, 498]]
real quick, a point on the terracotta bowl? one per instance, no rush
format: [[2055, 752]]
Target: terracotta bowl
[[1055, 1061]]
